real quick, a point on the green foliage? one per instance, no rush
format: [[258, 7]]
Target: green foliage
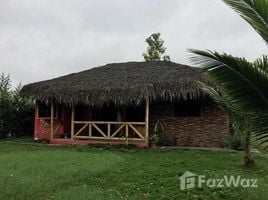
[[243, 84], [160, 137], [235, 141], [158, 127], [154, 138], [4, 84], [155, 49], [16, 113], [157, 131], [254, 12], [237, 119]]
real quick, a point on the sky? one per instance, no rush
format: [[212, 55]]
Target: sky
[[44, 39]]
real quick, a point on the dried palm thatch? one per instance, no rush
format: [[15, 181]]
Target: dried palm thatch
[[121, 83]]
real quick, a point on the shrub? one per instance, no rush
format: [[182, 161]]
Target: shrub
[[16, 112], [167, 140], [235, 141]]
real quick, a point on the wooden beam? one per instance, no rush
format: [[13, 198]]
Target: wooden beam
[[126, 131], [77, 133], [108, 122], [119, 129], [72, 121], [109, 130], [136, 131], [99, 130], [146, 120], [52, 120], [108, 139], [127, 139], [90, 129]]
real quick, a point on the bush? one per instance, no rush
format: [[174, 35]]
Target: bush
[[235, 141], [16, 112], [160, 137], [167, 140]]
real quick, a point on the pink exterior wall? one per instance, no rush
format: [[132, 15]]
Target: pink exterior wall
[[42, 126]]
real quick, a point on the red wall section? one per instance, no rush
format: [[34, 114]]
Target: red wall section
[[42, 127]]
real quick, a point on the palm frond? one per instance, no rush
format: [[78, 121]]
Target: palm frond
[[223, 101], [245, 83], [245, 86], [262, 63], [255, 12], [215, 96]]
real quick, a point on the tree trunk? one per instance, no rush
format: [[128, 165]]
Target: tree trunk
[[248, 161]]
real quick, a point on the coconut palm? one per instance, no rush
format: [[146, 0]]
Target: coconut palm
[[244, 85]]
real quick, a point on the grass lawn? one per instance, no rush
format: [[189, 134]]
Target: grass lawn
[[45, 172]]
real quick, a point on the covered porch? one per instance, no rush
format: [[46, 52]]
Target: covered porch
[[84, 124]]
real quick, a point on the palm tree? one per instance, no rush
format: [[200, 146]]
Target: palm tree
[[244, 85]]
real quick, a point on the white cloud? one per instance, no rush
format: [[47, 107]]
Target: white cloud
[[43, 39]]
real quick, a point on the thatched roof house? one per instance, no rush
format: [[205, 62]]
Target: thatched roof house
[[110, 100]]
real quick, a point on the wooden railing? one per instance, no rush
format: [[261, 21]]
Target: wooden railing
[[110, 130]]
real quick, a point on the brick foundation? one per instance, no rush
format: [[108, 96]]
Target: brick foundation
[[208, 130]]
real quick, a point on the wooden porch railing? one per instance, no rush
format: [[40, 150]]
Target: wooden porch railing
[[110, 130]]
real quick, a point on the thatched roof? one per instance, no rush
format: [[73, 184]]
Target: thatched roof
[[121, 83]]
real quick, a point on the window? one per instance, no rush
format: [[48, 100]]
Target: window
[[187, 108]]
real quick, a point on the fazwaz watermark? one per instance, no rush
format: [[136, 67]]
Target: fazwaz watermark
[[190, 180]]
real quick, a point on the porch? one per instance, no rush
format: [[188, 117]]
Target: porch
[[80, 124]]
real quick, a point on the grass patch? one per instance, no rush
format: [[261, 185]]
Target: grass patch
[[42, 172], [20, 140]]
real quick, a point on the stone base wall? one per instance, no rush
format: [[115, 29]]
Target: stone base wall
[[208, 130]]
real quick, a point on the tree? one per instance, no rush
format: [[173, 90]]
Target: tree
[[155, 49], [4, 84], [5, 103], [243, 84], [16, 112]]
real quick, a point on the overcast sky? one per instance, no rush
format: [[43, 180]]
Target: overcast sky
[[42, 39]]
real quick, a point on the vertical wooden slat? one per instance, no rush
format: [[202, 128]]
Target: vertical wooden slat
[[90, 129], [109, 130], [126, 130], [72, 121], [147, 120], [127, 138], [52, 121]]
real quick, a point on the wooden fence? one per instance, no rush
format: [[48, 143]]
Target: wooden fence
[[109, 130]]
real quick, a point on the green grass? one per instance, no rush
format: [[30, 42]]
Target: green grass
[[43, 172]]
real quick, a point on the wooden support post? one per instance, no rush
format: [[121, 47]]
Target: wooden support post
[[89, 129], [52, 121], [72, 121], [126, 130], [109, 130], [146, 120], [127, 138]]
